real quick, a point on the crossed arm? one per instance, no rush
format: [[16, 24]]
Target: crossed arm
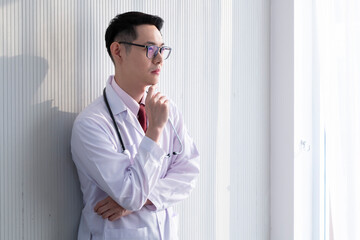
[[176, 185], [109, 209]]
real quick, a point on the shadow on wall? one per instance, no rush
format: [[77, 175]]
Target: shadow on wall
[[40, 174], [5, 2]]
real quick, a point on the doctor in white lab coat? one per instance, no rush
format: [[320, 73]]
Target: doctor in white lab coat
[[130, 194]]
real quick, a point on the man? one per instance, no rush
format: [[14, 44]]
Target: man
[[131, 180]]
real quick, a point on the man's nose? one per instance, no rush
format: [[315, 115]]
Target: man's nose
[[158, 58]]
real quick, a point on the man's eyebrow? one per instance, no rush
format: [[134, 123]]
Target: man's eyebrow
[[152, 43]]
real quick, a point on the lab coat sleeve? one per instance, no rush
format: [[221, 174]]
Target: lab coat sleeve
[[182, 174], [127, 181]]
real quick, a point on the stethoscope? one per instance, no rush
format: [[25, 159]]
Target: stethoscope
[[118, 132]]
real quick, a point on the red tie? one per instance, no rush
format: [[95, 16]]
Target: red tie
[[142, 117]]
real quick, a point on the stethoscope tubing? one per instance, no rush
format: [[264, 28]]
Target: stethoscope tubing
[[118, 132], [113, 119]]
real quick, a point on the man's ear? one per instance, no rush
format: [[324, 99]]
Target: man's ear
[[116, 51]]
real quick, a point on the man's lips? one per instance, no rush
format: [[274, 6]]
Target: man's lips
[[157, 71]]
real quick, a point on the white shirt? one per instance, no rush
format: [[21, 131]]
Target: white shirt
[[130, 179], [129, 102]]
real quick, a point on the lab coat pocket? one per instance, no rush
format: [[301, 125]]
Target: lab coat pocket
[[126, 234]]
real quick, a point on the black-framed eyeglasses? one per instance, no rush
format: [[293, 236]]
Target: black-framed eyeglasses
[[153, 50]]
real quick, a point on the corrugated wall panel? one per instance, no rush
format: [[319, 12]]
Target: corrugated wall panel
[[53, 62], [250, 100]]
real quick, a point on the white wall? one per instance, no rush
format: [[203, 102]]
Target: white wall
[[250, 121], [304, 164], [282, 120], [53, 62], [294, 190]]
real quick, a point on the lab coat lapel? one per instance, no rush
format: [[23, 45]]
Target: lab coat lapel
[[118, 106], [130, 118]]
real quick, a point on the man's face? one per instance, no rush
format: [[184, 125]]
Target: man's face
[[141, 70]]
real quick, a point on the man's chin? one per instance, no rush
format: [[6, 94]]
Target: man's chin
[[153, 81]]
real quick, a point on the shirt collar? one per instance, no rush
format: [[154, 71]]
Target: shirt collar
[[116, 94]]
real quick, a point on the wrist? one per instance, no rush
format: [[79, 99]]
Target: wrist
[[153, 133]]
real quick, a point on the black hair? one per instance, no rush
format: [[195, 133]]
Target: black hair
[[122, 27]]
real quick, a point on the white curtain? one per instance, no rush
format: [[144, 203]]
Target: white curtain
[[337, 53]]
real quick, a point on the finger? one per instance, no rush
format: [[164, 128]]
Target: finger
[[118, 215], [127, 212], [150, 92], [103, 209], [110, 212], [100, 204], [162, 99], [156, 96], [115, 217]]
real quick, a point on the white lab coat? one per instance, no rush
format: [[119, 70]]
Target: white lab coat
[[130, 179]]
